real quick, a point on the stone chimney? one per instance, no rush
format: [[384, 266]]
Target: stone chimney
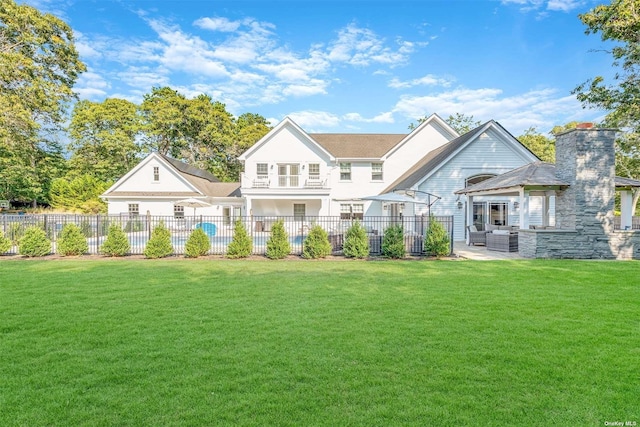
[[585, 158]]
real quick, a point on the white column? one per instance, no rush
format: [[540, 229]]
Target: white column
[[545, 210], [626, 209], [469, 215], [524, 209]]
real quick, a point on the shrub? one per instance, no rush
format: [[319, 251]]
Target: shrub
[[437, 240], [116, 243], [241, 245], [159, 245], [198, 244], [5, 243], [393, 242], [34, 243], [85, 227], [316, 245], [356, 242], [71, 241], [16, 231], [278, 245]]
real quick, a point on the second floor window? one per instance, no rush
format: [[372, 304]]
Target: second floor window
[[345, 171], [156, 173], [314, 170], [288, 175], [262, 170], [376, 171]]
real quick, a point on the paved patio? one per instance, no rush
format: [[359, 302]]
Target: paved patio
[[461, 249]]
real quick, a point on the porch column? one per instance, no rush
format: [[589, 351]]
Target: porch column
[[247, 206], [469, 213], [524, 209], [545, 210], [626, 209]]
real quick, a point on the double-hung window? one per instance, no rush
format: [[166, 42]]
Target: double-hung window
[[262, 170], [314, 171], [345, 171], [156, 173], [178, 211], [376, 171], [352, 211], [134, 209]]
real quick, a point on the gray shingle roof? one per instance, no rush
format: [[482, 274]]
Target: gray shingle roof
[[626, 182], [431, 160], [357, 145], [536, 174]]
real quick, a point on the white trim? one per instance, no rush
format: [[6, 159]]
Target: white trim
[[432, 120]]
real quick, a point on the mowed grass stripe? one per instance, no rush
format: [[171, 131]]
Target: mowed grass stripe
[[192, 342]]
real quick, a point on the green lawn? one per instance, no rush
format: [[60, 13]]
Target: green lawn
[[304, 343]]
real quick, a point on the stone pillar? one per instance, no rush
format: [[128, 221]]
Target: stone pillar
[[585, 159]]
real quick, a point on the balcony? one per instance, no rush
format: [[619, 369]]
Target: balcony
[[285, 182]]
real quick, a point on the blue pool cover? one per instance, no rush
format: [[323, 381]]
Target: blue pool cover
[[208, 228]]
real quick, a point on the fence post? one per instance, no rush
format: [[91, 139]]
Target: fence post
[[149, 224]]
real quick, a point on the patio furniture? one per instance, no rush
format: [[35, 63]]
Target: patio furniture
[[476, 236], [502, 241]]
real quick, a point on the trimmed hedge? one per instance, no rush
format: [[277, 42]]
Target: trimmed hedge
[[34, 243], [393, 242], [159, 245], [316, 245], [241, 244], [5, 243], [72, 241], [116, 243], [198, 244], [437, 241], [356, 242], [278, 245]]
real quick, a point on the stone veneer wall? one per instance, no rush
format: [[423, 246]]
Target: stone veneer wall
[[585, 159]]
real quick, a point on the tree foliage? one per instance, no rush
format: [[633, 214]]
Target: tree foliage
[[39, 65], [393, 242], [356, 242], [619, 23], [241, 244], [34, 243], [540, 145], [159, 245], [72, 241], [116, 244], [316, 244], [103, 138], [198, 244], [278, 245], [437, 241], [80, 194]]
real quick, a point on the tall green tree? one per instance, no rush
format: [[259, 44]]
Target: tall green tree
[[540, 145], [104, 138], [163, 117], [39, 65], [618, 22]]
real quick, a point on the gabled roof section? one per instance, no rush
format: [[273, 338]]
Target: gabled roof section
[[536, 174], [187, 169], [438, 157], [433, 120], [197, 181], [286, 122], [357, 145]]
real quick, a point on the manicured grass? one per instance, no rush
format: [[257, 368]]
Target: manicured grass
[[333, 343]]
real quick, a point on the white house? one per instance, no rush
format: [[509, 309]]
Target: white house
[[290, 172], [158, 183]]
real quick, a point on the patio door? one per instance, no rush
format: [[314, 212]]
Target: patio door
[[288, 175]]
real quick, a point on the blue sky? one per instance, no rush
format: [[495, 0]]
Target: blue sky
[[345, 65]]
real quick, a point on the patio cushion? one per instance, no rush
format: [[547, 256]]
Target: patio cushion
[[490, 227], [501, 231], [473, 228]]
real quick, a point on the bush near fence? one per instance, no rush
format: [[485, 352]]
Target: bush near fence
[[138, 230]]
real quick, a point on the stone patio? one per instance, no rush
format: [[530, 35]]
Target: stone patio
[[481, 253]]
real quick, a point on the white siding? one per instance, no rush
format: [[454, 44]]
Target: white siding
[[487, 154]]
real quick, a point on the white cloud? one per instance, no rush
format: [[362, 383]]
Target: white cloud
[[143, 78], [217, 24], [428, 80], [553, 5], [91, 85], [313, 121], [540, 108], [380, 118]]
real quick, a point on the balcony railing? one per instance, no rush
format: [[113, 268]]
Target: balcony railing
[[285, 181]]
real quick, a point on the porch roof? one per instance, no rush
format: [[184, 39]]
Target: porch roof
[[532, 175]]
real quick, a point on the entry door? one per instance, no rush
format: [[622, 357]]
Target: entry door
[[299, 211], [480, 215]]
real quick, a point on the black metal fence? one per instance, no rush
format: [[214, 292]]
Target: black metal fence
[[220, 230]]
